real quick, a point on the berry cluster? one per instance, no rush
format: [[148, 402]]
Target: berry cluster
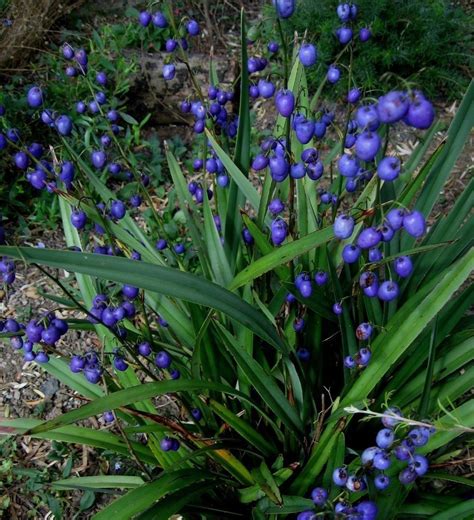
[[45, 331], [391, 445], [214, 111], [375, 460], [369, 240]]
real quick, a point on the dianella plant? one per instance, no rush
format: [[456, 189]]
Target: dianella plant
[[307, 312]]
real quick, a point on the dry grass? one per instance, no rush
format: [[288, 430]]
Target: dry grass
[[30, 22]]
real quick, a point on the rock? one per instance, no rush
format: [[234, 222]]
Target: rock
[[149, 92]]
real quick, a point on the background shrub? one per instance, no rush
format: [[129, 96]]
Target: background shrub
[[428, 42]]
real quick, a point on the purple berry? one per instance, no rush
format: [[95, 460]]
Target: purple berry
[[64, 125], [367, 118], [68, 51], [319, 496], [159, 20], [407, 476], [390, 422], [388, 168], [117, 209], [144, 18], [77, 364], [197, 414], [285, 102], [340, 476], [279, 231], [382, 460], [368, 455], [420, 114], [21, 160], [321, 278], [367, 145], [355, 484], [353, 95], [364, 331], [308, 54], [169, 71], [284, 8], [364, 34], [369, 283], [41, 357], [369, 237], [120, 364], [98, 159], [163, 359], [385, 438], [192, 27], [333, 74], [343, 226], [419, 465], [78, 219], [392, 107], [375, 255], [273, 47], [414, 224], [381, 482], [166, 444], [276, 206], [348, 166], [344, 35], [395, 218], [350, 253], [35, 97], [403, 266], [388, 291], [349, 362]]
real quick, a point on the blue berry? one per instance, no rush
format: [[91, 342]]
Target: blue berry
[[381, 482], [163, 359], [319, 496], [385, 438], [388, 291], [308, 54], [340, 476], [343, 226], [414, 224]]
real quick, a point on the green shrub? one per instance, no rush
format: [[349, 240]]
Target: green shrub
[[203, 301], [428, 43]]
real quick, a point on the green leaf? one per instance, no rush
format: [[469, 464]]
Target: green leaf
[[282, 255], [291, 504], [78, 435], [263, 383], [218, 261], [461, 511], [458, 133], [135, 394], [320, 455], [141, 498], [128, 119], [245, 186], [99, 482], [238, 169], [190, 210], [162, 280], [174, 502], [438, 475], [405, 326], [243, 428]]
